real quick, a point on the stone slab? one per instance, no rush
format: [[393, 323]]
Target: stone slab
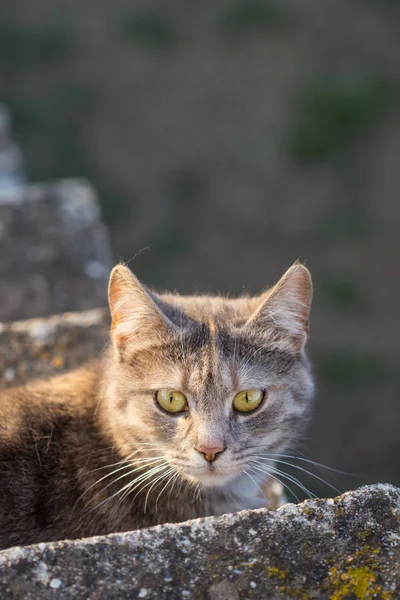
[[341, 548]]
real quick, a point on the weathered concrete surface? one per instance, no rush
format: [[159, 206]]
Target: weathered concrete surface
[[54, 250], [45, 347], [346, 548]]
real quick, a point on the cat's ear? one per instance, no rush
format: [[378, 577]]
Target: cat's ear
[[134, 313], [284, 310]]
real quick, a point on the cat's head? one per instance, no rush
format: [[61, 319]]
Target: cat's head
[[209, 383]]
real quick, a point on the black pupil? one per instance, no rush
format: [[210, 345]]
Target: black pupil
[[247, 399]]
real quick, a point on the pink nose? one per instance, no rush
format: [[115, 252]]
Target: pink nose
[[210, 452]]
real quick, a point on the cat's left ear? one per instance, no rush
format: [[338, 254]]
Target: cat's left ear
[[136, 317], [284, 312]]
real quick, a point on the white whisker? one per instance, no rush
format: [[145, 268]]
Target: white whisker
[[159, 480], [274, 476], [165, 486], [177, 476], [277, 460], [254, 481], [271, 470], [135, 483], [129, 485]]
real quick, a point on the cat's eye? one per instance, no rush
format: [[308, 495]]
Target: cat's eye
[[248, 400], [172, 401]]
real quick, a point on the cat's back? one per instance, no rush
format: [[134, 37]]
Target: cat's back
[[48, 417], [46, 428], [71, 395]]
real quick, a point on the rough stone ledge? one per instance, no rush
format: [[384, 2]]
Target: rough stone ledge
[[341, 548], [46, 347], [58, 250]]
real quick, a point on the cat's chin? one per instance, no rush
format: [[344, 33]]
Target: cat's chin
[[211, 479]]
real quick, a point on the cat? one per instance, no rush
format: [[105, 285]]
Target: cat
[[182, 417]]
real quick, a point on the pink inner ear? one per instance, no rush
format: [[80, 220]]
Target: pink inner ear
[[120, 339], [114, 321], [116, 291]]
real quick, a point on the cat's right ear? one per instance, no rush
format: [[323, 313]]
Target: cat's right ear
[[135, 315], [282, 317]]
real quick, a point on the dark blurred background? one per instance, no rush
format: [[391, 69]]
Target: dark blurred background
[[232, 137]]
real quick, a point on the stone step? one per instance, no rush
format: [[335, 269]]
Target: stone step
[[55, 251], [44, 347], [343, 548]]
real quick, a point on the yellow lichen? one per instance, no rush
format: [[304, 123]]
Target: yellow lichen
[[288, 592], [356, 582], [357, 576], [309, 511], [275, 573]]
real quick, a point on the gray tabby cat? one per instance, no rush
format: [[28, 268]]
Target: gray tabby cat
[[183, 417]]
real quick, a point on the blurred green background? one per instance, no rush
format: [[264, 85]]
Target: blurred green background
[[232, 137]]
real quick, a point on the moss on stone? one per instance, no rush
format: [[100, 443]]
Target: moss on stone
[[356, 582]]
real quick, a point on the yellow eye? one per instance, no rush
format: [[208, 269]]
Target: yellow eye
[[248, 400], [171, 401]]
